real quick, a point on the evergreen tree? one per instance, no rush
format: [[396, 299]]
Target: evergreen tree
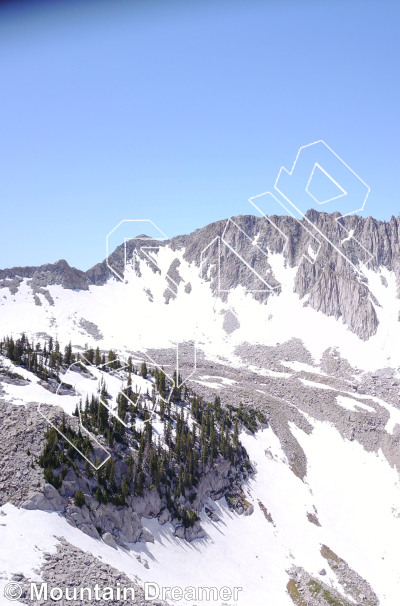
[[68, 354], [236, 435], [79, 498], [99, 495], [97, 357], [112, 359], [125, 489]]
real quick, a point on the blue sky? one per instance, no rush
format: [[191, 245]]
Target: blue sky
[[179, 112]]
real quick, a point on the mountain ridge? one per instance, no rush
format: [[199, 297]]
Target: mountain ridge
[[348, 221], [328, 281]]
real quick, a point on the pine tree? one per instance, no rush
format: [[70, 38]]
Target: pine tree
[[213, 448], [97, 357], [236, 435], [102, 417], [99, 494], [89, 355], [110, 473], [124, 489], [112, 359], [79, 498], [68, 354]]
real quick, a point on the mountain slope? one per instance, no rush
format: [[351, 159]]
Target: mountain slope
[[271, 321]]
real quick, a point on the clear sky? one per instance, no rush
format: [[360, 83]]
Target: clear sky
[[180, 111]]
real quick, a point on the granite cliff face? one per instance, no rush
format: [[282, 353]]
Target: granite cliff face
[[236, 252]]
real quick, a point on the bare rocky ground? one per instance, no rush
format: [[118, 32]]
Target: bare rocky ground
[[21, 441], [71, 568], [306, 590], [299, 395]]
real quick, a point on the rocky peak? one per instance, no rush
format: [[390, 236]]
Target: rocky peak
[[324, 277], [50, 273]]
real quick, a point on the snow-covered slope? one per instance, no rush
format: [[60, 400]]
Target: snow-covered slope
[[134, 315], [359, 520]]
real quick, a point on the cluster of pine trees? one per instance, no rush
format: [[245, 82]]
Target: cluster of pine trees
[[44, 361], [195, 433], [59, 454], [193, 439]]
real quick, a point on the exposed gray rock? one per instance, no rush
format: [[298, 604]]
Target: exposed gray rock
[[42, 291], [315, 592], [282, 400], [71, 567], [179, 532], [50, 273], [12, 284], [213, 484], [212, 514], [91, 328], [164, 516], [148, 506], [354, 584], [231, 322], [109, 540], [311, 517], [49, 500], [266, 513], [146, 536], [173, 280], [21, 441]]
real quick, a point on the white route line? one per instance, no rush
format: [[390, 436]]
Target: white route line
[[339, 158], [96, 467], [164, 237], [331, 179], [305, 255], [270, 288], [153, 260], [371, 256]]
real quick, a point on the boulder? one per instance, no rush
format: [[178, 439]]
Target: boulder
[[164, 516], [108, 539], [148, 505], [194, 532], [180, 532], [48, 500], [146, 536]]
